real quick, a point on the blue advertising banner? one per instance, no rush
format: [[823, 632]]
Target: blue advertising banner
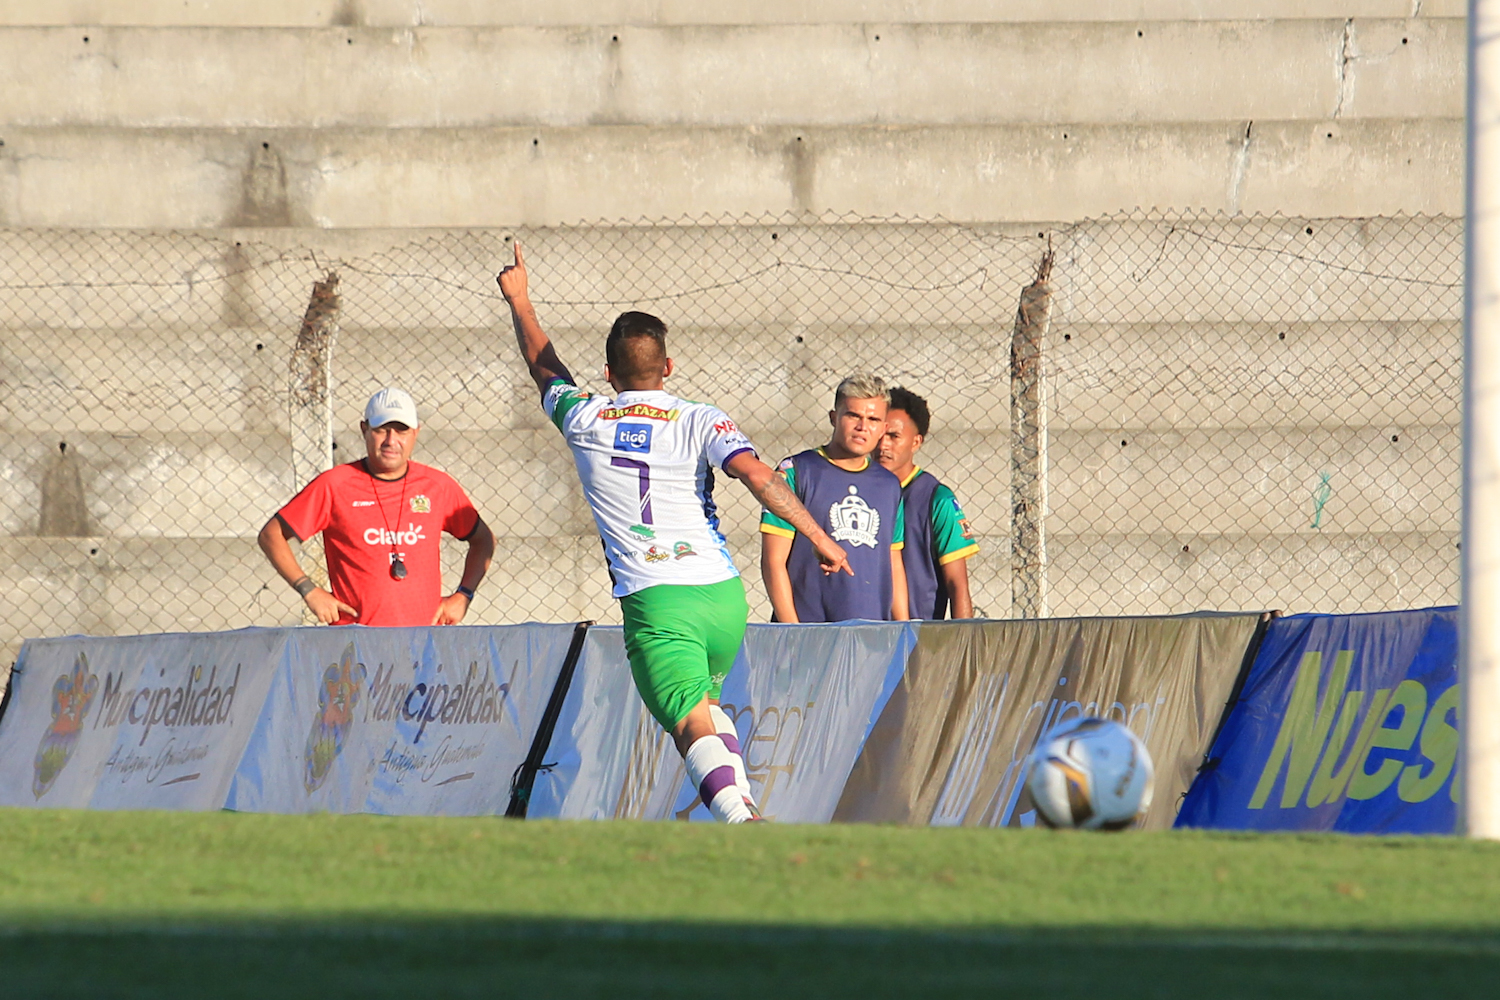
[[1346, 723]]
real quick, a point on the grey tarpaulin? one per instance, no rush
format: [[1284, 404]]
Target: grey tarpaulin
[[949, 748]]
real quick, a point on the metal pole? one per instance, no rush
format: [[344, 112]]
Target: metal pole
[[1479, 641]]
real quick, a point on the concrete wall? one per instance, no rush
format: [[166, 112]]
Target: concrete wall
[[144, 374], [497, 126], [1187, 450], [812, 75], [404, 13]]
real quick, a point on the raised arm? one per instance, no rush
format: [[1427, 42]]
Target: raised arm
[[541, 357], [775, 496]]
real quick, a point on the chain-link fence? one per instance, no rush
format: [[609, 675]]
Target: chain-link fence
[[1188, 412]]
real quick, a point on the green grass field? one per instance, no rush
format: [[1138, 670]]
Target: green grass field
[[99, 904]]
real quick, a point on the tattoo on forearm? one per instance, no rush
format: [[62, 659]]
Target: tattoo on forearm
[[777, 497]]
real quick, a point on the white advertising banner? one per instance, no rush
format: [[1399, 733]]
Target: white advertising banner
[[429, 721], [134, 722], [399, 721], [915, 723], [803, 697]]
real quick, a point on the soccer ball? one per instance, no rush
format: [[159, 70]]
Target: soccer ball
[[1092, 774]]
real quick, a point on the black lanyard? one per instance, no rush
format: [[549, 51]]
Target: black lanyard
[[398, 568]]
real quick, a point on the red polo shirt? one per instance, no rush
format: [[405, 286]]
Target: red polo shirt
[[364, 520]]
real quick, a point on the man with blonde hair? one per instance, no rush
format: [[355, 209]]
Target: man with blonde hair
[[854, 500]]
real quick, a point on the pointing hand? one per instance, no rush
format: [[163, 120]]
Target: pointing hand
[[512, 278], [831, 556]]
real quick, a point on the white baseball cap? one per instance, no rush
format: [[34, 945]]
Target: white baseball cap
[[391, 406]]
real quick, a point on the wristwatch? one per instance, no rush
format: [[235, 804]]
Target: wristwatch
[[466, 591]]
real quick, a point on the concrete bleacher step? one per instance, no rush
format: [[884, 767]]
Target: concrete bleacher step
[[1109, 376], [121, 586], [1094, 575], [508, 176], [573, 77], [108, 586], [1266, 480], [404, 13], [785, 275]]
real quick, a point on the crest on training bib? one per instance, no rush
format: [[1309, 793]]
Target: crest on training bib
[[853, 520]]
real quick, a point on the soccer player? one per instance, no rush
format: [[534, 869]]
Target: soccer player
[[854, 500], [381, 519], [646, 460], [938, 540]]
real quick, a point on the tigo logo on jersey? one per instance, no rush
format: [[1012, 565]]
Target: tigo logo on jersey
[[633, 437]]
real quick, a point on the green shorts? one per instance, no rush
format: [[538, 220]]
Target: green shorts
[[681, 641]]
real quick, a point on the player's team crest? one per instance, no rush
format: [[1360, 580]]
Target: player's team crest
[[337, 697], [963, 522], [72, 694], [421, 504], [853, 520], [682, 550]]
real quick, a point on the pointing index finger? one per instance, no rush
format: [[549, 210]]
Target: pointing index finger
[[520, 260]]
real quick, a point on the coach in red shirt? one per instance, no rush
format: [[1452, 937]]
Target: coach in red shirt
[[381, 519]]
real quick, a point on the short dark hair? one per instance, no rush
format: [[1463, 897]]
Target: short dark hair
[[914, 406], [636, 344]]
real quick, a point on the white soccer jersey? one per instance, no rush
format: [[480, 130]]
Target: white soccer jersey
[[646, 461]]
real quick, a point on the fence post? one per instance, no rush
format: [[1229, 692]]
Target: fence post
[[1479, 617], [1028, 447], [310, 400]]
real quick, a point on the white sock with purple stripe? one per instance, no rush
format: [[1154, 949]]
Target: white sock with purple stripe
[[710, 765], [725, 728]]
